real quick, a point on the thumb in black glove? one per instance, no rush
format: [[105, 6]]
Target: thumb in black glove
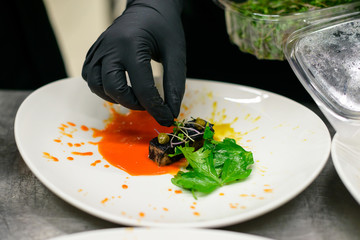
[[146, 30]]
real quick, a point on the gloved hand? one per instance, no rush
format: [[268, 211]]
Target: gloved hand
[[146, 30]]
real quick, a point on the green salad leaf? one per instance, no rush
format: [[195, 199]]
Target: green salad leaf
[[261, 27], [215, 164], [280, 7]]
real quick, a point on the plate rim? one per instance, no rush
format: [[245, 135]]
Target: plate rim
[[157, 230], [340, 170]]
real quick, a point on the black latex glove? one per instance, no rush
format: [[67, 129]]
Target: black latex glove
[[148, 29]]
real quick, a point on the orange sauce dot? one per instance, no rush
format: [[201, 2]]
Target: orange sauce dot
[[165, 209], [77, 144], [192, 207], [70, 158], [169, 189], [104, 200], [94, 163], [57, 140], [124, 186], [244, 195], [141, 214], [106, 166], [178, 191], [268, 190], [82, 153], [233, 205], [92, 143], [80, 190], [71, 124], [84, 128], [67, 134], [196, 213], [48, 156], [70, 144], [221, 194]]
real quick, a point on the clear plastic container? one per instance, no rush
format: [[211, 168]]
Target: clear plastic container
[[265, 35], [326, 59]]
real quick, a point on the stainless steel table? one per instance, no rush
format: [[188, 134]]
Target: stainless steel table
[[28, 210]]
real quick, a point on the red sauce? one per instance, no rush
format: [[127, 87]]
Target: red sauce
[[83, 153], [94, 163], [48, 156], [84, 128], [71, 124], [125, 143]]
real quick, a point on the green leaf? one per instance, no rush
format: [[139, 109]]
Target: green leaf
[[224, 150], [177, 151], [215, 164], [195, 181], [208, 134], [236, 167], [201, 161]]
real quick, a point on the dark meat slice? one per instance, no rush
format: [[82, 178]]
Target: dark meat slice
[[159, 153]]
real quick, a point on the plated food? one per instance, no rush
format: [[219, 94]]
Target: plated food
[[162, 148], [76, 128]]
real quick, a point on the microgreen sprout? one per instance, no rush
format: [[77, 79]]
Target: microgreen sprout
[[184, 131]]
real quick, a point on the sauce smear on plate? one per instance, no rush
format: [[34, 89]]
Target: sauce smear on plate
[[125, 143]]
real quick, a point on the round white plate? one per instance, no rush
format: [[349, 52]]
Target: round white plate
[[290, 145], [159, 234], [346, 158]]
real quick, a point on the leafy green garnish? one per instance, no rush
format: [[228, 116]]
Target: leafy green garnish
[[280, 7], [215, 164], [259, 27]]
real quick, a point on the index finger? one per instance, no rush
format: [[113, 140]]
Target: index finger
[[142, 82]]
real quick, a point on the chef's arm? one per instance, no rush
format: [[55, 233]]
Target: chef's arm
[[147, 29]]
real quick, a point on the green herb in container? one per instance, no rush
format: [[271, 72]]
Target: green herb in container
[[261, 27]]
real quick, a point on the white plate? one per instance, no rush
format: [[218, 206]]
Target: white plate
[[346, 158], [159, 234], [290, 145]]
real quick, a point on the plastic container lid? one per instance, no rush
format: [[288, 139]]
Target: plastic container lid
[[326, 59]]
